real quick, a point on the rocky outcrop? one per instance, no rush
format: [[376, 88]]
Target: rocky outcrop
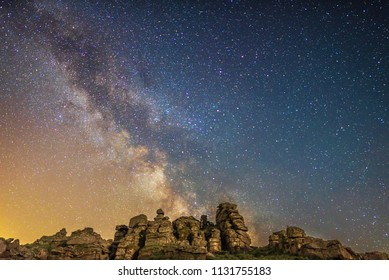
[[158, 235], [81, 245], [188, 232], [129, 240], [315, 248], [181, 239], [289, 240], [294, 241], [234, 235], [11, 249], [184, 238], [214, 243], [374, 256]]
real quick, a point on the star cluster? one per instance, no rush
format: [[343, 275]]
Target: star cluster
[[109, 109]]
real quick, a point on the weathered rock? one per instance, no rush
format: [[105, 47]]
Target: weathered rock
[[326, 249], [159, 234], [129, 246], [375, 256], [214, 240], [85, 236], [294, 241], [41, 248], [121, 231], [160, 215], [234, 235], [181, 239], [3, 246], [188, 233], [184, 238], [82, 245], [295, 232], [128, 240], [138, 220], [203, 221], [12, 250], [277, 238]]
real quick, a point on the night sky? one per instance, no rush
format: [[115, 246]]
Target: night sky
[[110, 109]]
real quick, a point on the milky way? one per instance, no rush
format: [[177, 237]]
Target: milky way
[[114, 108]]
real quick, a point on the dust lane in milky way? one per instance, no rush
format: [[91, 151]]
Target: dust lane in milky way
[[109, 110]]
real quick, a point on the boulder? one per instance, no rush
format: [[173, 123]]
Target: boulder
[[234, 235], [158, 234], [294, 232], [138, 220], [294, 241], [375, 256], [81, 245], [188, 232], [129, 240], [316, 248], [85, 236], [3, 246], [160, 215], [214, 241], [120, 232], [129, 246]]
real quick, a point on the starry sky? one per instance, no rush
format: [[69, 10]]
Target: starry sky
[[109, 109]]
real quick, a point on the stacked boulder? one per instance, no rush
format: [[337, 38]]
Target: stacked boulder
[[188, 232], [143, 239], [294, 241], [212, 235], [233, 231], [289, 241], [184, 238], [159, 235], [214, 244], [128, 240]]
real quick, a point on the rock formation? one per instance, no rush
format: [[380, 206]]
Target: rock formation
[[128, 240], [374, 256], [214, 244], [233, 230], [159, 235], [80, 245], [188, 232], [295, 242], [184, 238]]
